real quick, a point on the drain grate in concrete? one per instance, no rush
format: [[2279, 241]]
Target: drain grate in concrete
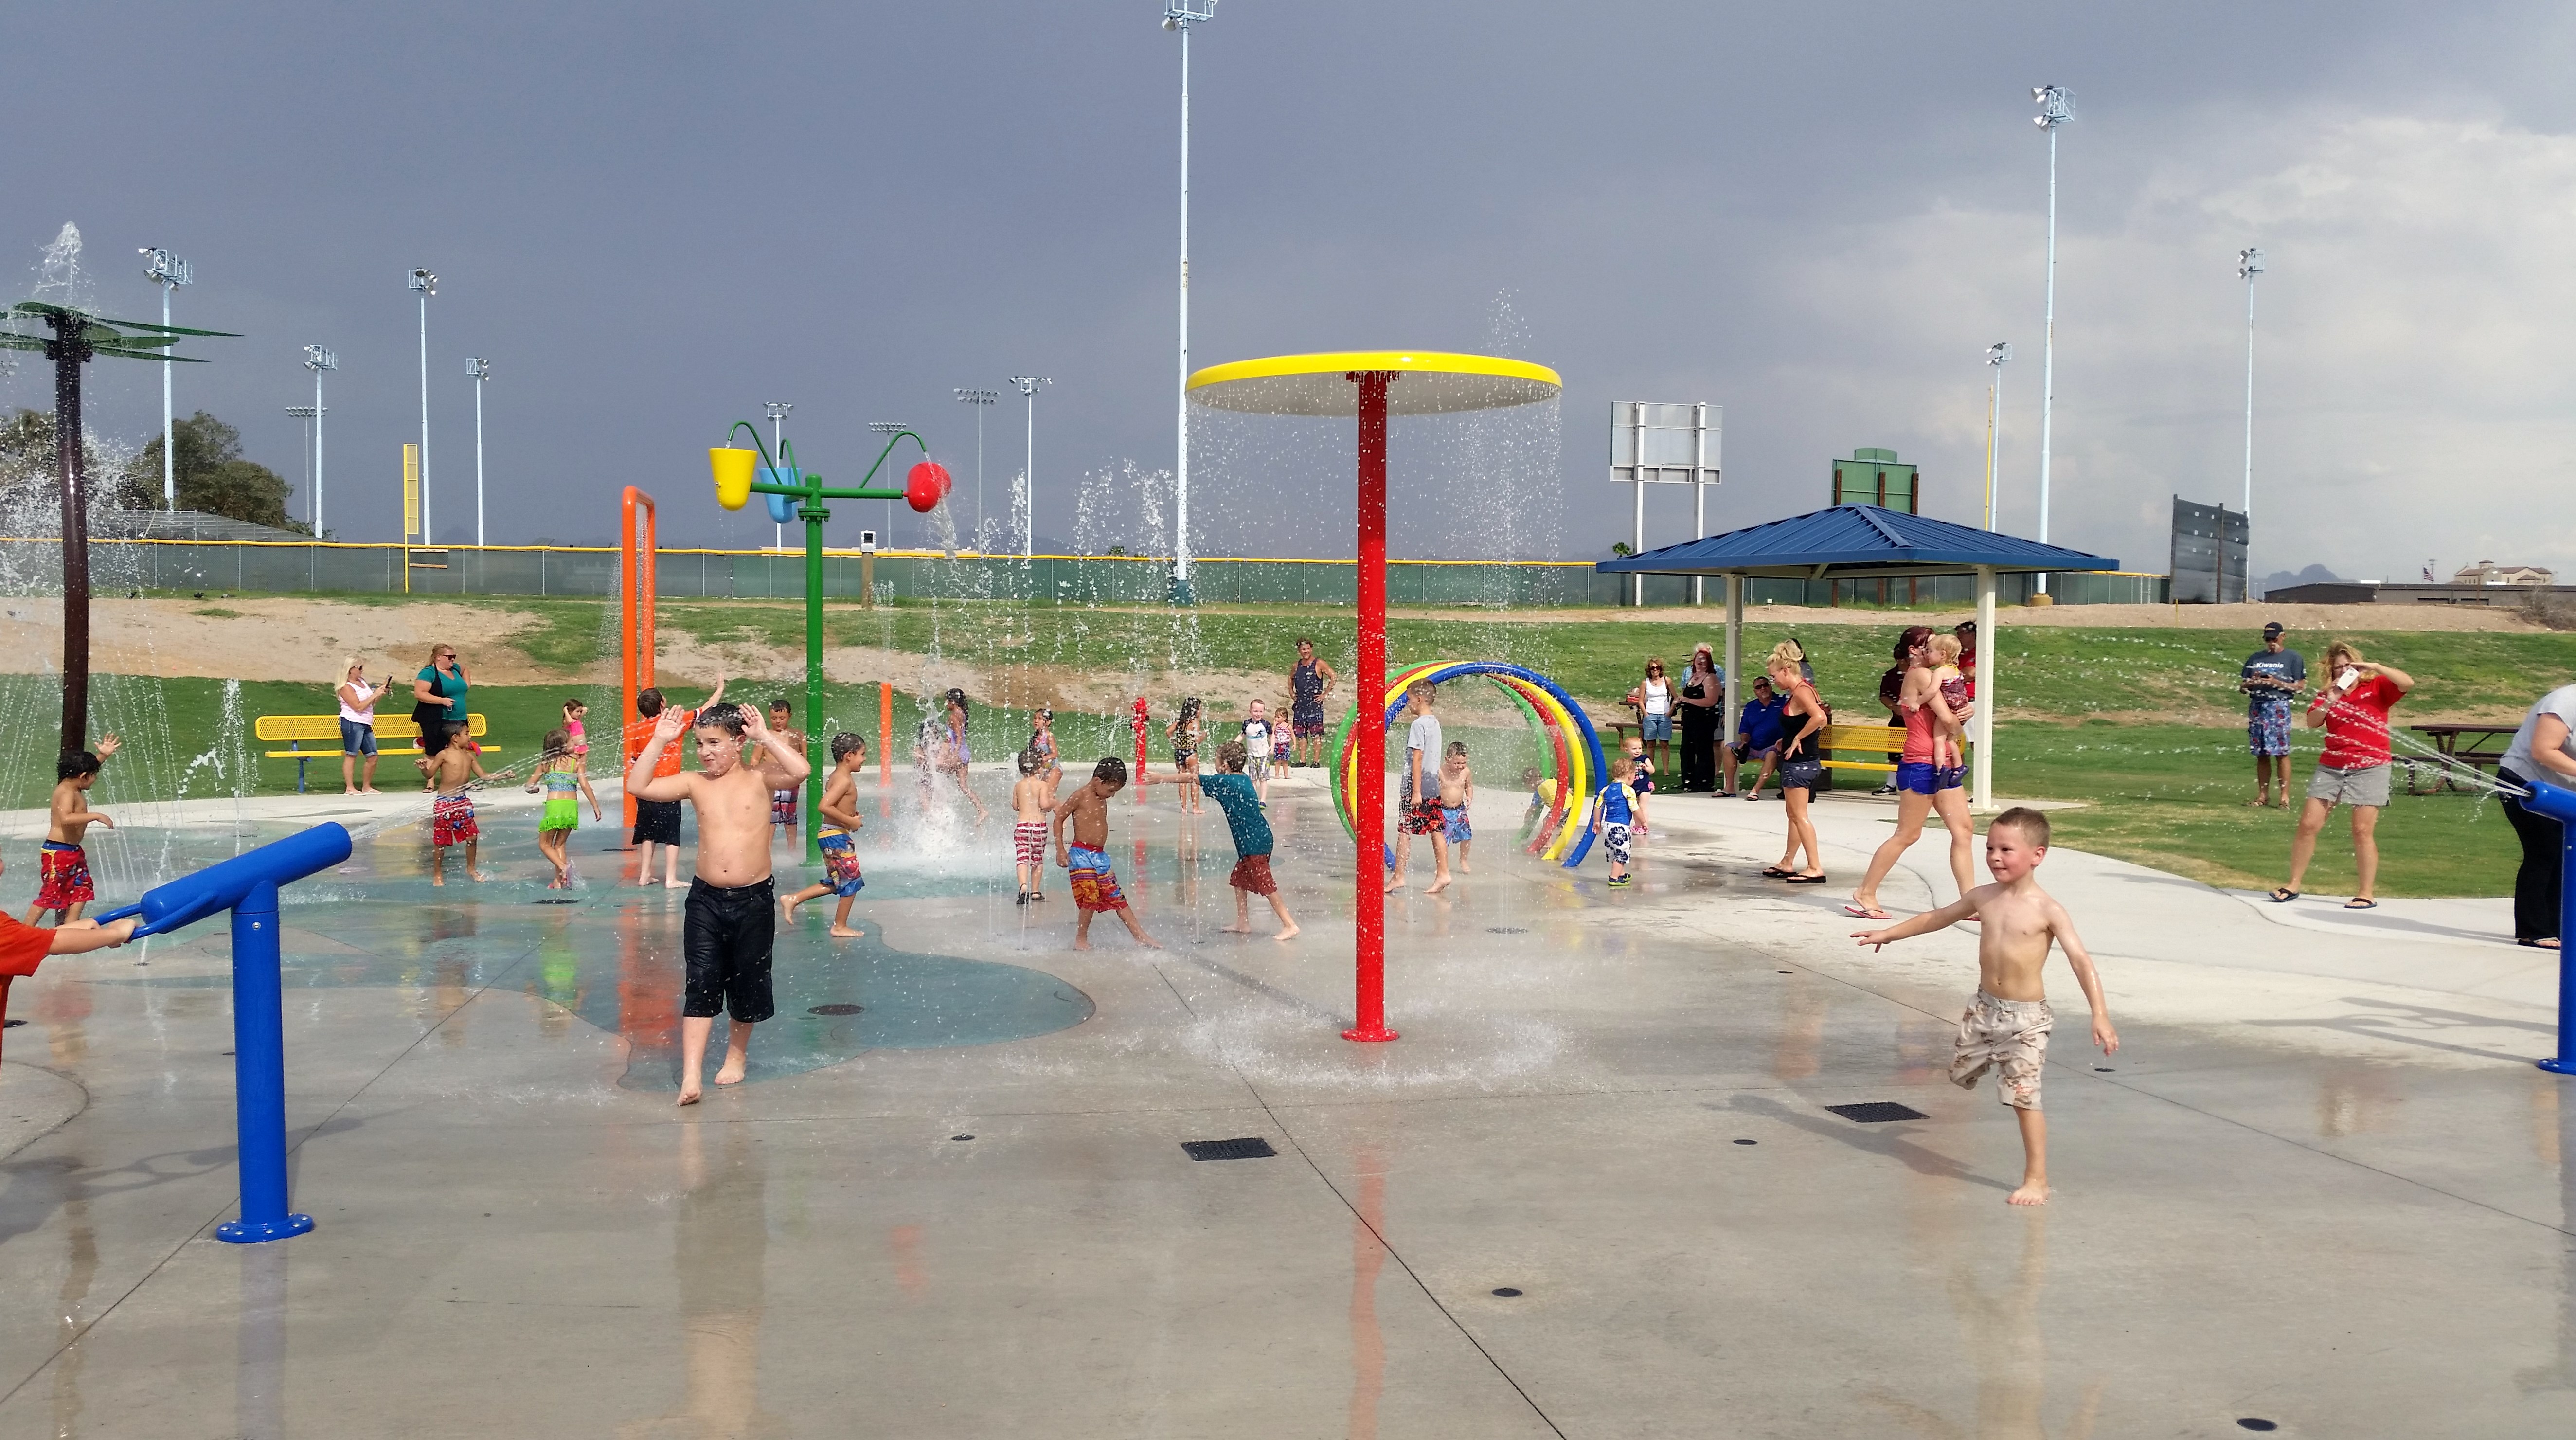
[[1250, 1147], [1505, 930], [837, 1007], [2255, 1422], [1877, 1112]]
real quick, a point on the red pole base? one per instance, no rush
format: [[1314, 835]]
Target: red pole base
[[1370, 1037]]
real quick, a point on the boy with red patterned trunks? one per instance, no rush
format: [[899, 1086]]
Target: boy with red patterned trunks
[[1419, 803], [1235, 794], [1031, 799], [63, 865], [1086, 859], [786, 797], [451, 815], [837, 836]]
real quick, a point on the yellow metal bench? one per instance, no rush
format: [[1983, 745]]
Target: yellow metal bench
[[392, 731], [1888, 740]]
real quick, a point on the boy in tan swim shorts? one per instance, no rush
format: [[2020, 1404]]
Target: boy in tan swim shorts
[[2006, 1027]]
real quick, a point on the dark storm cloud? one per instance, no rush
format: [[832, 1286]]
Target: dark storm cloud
[[653, 218]]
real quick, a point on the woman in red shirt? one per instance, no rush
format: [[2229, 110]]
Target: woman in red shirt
[[2353, 707]]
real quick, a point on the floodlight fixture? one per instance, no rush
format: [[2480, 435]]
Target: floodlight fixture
[[979, 399], [1029, 385], [169, 272], [1180, 15]]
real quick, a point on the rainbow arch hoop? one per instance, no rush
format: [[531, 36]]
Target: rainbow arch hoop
[[1573, 745]]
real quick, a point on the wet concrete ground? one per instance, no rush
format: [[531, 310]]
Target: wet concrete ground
[[2321, 1186]]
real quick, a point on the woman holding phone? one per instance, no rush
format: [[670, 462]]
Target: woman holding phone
[[357, 724]]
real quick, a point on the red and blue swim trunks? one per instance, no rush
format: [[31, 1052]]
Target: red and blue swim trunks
[[65, 873], [1095, 885]]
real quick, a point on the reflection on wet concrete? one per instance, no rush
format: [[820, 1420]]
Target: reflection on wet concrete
[[259, 1387], [1368, 1257], [80, 1271], [719, 1248]]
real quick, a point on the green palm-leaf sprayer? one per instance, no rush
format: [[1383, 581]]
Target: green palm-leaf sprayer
[[795, 494]]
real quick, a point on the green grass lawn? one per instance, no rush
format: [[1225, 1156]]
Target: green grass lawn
[[2138, 723]]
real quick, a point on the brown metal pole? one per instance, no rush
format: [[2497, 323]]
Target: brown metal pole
[[69, 348]]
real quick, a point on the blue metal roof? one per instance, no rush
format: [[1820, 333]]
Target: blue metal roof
[[1852, 541]]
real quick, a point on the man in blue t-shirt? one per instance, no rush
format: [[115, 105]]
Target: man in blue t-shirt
[[1757, 737], [2272, 675], [1233, 792]]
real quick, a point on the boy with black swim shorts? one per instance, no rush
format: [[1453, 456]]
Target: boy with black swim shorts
[[733, 905], [658, 822]]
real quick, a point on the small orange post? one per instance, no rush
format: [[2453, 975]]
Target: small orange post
[[635, 586], [885, 734]]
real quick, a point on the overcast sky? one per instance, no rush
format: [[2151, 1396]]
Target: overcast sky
[[653, 218]]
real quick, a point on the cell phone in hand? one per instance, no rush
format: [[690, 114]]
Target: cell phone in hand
[[2345, 678]]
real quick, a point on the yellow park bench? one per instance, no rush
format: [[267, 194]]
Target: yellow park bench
[[395, 735], [1837, 740]]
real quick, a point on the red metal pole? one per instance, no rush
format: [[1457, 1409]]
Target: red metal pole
[[885, 734], [635, 605], [1369, 736]]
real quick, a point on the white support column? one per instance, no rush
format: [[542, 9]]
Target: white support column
[[1981, 798], [1699, 529], [1637, 542], [1734, 658]]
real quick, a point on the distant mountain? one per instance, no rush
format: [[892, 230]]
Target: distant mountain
[[2283, 579]]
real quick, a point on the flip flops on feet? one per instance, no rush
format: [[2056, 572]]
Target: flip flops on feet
[[2357, 903], [2282, 896], [1867, 912], [1808, 879], [1774, 872]]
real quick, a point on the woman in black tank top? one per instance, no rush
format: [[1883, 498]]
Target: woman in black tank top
[[1802, 722]]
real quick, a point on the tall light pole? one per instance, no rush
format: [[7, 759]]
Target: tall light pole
[[979, 399], [1998, 355], [478, 370], [317, 360], [777, 413], [424, 285], [312, 413], [1029, 468], [2053, 112], [169, 272], [2249, 263], [1180, 15]]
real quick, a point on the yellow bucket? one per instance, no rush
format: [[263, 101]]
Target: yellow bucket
[[732, 467]]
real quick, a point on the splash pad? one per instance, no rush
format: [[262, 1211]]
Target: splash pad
[[1573, 748], [1370, 385]]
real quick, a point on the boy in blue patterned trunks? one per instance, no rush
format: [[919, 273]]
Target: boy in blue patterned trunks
[[1086, 858], [2272, 675], [838, 837], [62, 867]]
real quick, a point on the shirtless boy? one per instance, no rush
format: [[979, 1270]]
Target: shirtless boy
[[2006, 1026], [838, 837], [1086, 859], [732, 910], [1032, 796], [657, 822], [63, 867], [1457, 792], [451, 814], [786, 797]]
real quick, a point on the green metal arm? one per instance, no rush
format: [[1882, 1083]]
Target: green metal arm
[[815, 491]]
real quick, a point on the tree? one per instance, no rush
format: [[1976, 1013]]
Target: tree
[[213, 478]]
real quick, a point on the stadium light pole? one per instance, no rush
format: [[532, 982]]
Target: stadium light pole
[[2054, 111], [777, 412], [169, 272], [312, 413], [2249, 263], [1029, 467], [479, 370], [317, 360], [424, 285], [979, 399], [1998, 355], [1180, 15]]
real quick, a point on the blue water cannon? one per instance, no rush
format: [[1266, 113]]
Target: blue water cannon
[[2559, 804], [247, 886]]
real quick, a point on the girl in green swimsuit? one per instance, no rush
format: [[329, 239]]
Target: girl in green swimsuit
[[562, 776]]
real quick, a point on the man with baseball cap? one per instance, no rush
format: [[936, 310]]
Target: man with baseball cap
[[2271, 676]]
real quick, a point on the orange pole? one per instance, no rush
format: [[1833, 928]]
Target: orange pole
[[885, 734], [636, 584]]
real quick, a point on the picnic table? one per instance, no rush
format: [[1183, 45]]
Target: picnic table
[[2484, 749]]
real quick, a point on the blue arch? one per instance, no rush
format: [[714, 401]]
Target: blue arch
[[1583, 723]]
